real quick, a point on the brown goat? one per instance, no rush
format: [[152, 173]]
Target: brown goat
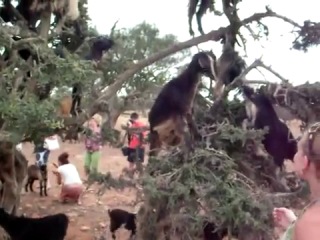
[[37, 173], [13, 165], [170, 117]]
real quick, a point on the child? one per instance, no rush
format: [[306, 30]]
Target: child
[[67, 175], [93, 144]]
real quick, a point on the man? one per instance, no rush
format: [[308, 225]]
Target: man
[[135, 142]]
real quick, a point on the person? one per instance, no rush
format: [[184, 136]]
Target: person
[[93, 144], [306, 164], [136, 147], [67, 175]]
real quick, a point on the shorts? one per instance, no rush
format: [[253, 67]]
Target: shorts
[[71, 192], [132, 154]]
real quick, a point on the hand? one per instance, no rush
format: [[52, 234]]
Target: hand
[[283, 217]]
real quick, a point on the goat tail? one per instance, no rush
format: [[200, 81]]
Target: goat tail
[[73, 10]]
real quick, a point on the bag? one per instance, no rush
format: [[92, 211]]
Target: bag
[[52, 143], [125, 151]]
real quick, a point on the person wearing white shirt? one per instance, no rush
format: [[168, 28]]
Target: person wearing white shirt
[[68, 175]]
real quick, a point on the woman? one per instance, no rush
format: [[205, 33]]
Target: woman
[[93, 144], [307, 165], [68, 175]]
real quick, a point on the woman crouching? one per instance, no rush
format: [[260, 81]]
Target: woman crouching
[[67, 175]]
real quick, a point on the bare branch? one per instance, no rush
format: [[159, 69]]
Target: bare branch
[[231, 86], [284, 80]]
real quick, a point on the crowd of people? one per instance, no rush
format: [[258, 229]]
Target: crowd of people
[[67, 175]]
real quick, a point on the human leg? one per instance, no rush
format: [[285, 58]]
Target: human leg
[[87, 163], [71, 192], [131, 158], [95, 157]]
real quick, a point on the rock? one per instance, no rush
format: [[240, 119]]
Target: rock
[[84, 228], [28, 205], [102, 225], [72, 214]]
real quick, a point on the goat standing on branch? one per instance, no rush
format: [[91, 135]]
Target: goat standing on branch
[[171, 114], [279, 141]]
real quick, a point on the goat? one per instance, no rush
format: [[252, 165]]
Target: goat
[[119, 217], [37, 173], [279, 141], [13, 172], [229, 65], [170, 116], [203, 7], [31, 11], [39, 170], [51, 227]]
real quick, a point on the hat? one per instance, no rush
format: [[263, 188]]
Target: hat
[[97, 118]]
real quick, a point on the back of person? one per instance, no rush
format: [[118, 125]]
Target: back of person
[[69, 174], [136, 138]]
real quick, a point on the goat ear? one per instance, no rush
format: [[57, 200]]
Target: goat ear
[[204, 61]]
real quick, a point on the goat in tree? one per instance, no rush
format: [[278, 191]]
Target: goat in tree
[[204, 5], [31, 11], [279, 141], [229, 65], [170, 117], [69, 105]]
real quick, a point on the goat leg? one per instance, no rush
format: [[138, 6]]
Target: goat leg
[[193, 127], [41, 186], [26, 186], [45, 186], [31, 185], [155, 143]]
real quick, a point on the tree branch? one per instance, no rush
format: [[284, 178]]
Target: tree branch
[[231, 86], [214, 35]]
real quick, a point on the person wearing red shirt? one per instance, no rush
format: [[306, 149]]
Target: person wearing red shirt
[[136, 146]]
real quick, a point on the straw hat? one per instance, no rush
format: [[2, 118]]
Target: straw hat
[[97, 118]]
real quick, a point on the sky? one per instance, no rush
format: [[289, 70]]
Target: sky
[[170, 16]]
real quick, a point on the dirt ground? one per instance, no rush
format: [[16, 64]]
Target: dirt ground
[[91, 218]]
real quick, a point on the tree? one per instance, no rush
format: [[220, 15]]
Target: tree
[[217, 180]]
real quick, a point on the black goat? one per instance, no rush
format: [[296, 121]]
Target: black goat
[[120, 217], [37, 173], [279, 141], [52, 227], [229, 66], [31, 10], [171, 114]]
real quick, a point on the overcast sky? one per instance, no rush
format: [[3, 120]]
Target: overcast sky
[[171, 17]]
